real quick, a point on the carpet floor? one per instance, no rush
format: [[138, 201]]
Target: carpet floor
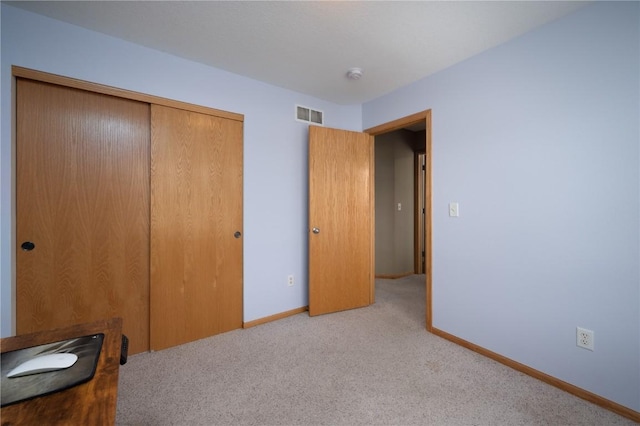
[[371, 366]]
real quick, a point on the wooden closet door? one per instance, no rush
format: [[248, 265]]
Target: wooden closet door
[[196, 208], [82, 189]]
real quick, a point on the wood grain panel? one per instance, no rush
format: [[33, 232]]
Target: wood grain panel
[[341, 206], [82, 177], [428, 202], [121, 93], [90, 403], [196, 207]]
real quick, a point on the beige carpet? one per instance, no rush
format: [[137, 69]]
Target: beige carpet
[[370, 366]]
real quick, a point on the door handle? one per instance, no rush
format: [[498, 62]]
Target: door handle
[[237, 234], [316, 230], [27, 246]]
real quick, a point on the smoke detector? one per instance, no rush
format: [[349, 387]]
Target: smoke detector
[[354, 73]]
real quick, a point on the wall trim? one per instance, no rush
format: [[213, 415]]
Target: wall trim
[[553, 381], [400, 123], [121, 93], [275, 317]]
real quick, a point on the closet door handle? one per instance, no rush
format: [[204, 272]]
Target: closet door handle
[[316, 230], [27, 246], [237, 234]]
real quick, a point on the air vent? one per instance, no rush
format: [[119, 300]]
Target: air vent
[[309, 115]]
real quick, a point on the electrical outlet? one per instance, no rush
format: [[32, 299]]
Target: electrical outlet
[[290, 281], [584, 338]]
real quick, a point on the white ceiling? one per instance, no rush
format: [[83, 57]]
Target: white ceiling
[[309, 46]]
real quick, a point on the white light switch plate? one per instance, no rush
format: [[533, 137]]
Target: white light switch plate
[[454, 211]]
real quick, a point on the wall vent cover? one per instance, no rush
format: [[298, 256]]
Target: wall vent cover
[[309, 115]]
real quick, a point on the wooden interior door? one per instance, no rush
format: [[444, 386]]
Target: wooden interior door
[[196, 225], [82, 189], [341, 267]]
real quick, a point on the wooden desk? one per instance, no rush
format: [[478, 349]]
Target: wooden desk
[[90, 403]]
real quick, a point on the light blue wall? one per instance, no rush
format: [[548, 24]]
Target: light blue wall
[[538, 140], [275, 145]]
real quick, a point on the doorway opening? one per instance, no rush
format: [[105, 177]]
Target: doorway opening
[[404, 217], [399, 202]]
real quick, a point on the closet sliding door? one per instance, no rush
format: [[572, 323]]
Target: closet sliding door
[[127, 205], [196, 226], [82, 210]]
